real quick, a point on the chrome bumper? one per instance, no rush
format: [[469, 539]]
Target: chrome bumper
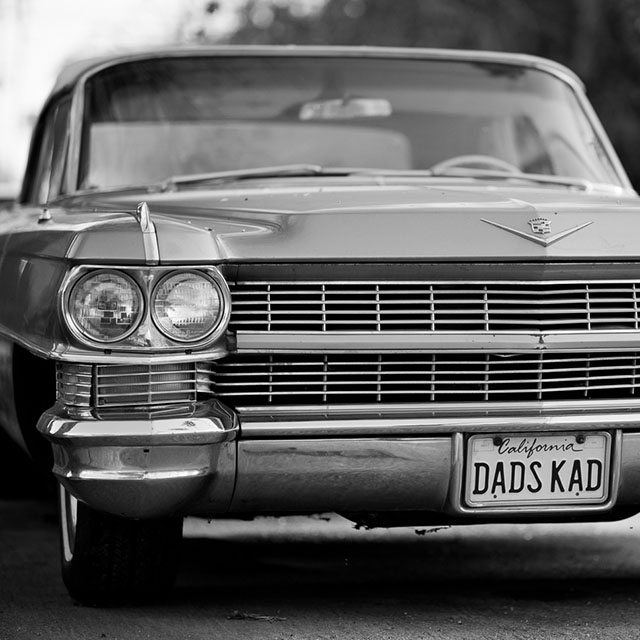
[[154, 468], [145, 468]]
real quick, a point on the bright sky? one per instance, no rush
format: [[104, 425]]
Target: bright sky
[[37, 37]]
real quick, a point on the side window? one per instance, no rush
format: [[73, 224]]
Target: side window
[[50, 163]]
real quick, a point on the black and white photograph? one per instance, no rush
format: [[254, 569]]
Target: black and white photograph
[[319, 319]]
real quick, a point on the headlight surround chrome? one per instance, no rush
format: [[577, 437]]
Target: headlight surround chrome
[[105, 306], [188, 306]]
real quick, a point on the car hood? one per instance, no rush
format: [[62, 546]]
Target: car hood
[[315, 221]]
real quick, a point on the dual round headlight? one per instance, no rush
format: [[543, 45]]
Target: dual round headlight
[[186, 306], [108, 306]]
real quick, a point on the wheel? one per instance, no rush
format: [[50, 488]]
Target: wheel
[[478, 159], [111, 560]]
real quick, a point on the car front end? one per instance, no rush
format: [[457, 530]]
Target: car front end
[[397, 285]]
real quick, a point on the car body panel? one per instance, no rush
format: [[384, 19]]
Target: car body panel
[[320, 221]]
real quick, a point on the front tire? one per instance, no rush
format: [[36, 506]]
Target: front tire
[[110, 560]]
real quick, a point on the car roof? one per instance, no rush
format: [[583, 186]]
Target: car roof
[[77, 71]]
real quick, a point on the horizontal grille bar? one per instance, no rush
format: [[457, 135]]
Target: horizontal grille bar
[[434, 306], [263, 380]]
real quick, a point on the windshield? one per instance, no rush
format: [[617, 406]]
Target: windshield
[[149, 120]]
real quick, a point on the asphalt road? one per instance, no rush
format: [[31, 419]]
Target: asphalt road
[[322, 579]]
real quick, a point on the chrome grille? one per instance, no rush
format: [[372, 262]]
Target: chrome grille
[[434, 306], [272, 380], [107, 387]]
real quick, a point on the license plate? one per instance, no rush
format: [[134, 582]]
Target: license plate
[[537, 470]]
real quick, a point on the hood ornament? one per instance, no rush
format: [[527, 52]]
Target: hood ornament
[[541, 227]]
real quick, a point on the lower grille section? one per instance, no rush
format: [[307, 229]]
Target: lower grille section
[[272, 380], [109, 388]]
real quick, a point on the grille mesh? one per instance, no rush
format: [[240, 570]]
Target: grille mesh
[[435, 306], [263, 380]]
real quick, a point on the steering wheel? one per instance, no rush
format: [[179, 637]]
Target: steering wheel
[[461, 161]]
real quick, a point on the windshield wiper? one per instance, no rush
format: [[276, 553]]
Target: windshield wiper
[[540, 178], [287, 170], [302, 170], [293, 170]]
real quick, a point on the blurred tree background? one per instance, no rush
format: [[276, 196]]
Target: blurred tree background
[[598, 39]]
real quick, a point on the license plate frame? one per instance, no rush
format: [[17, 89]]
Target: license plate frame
[[533, 474]]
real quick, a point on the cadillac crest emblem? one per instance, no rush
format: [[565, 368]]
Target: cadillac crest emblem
[[541, 226]]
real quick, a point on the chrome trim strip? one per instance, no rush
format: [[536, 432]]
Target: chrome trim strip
[[354, 342], [118, 433], [276, 413], [76, 120], [472, 272], [149, 235], [457, 487], [454, 282], [251, 427], [120, 475], [63, 353], [457, 282]]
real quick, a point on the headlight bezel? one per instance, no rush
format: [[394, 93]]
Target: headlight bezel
[[146, 336]]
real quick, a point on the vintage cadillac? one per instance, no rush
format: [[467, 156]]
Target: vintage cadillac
[[398, 285]]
